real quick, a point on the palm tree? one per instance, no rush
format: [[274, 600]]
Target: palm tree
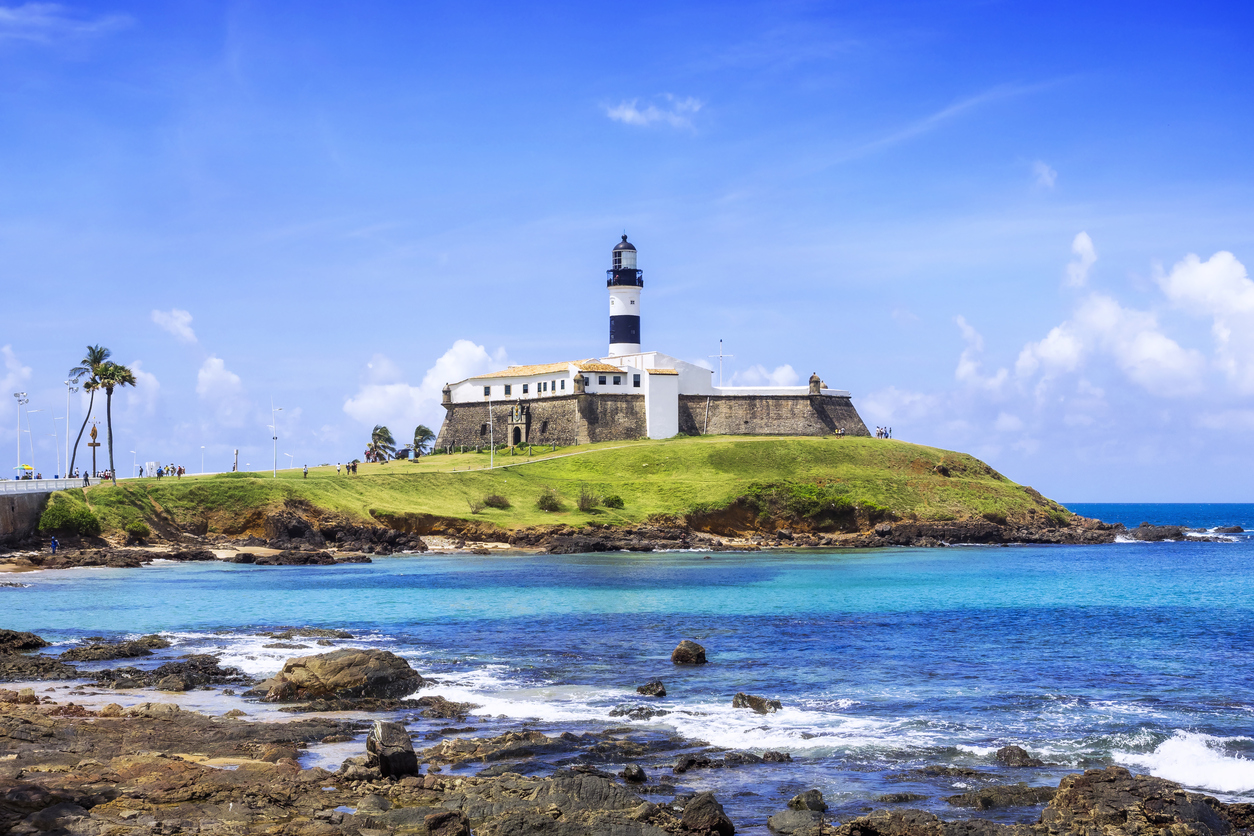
[[381, 443], [97, 356], [422, 439], [112, 375]]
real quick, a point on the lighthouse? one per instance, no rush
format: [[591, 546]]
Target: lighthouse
[[624, 282]]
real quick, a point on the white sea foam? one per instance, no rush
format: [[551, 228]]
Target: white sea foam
[[1195, 760]]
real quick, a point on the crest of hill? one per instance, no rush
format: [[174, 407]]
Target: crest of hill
[[817, 483]]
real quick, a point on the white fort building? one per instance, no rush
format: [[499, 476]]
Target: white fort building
[[630, 393]]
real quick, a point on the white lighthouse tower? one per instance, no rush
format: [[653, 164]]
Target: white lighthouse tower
[[624, 282]]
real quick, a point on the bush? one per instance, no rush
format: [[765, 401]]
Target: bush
[[995, 517], [588, 501], [495, 500], [66, 518], [612, 501], [476, 506], [137, 529], [1059, 518], [549, 500]]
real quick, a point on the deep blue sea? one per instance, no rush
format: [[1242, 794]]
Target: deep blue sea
[[886, 661]]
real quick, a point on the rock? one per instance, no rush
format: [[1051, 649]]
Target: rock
[[638, 712], [685, 762], [900, 798], [26, 696], [235, 714], [276, 752], [652, 688], [308, 633], [740, 758], [294, 558], [1002, 795], [1229, 529], [195, 671], [776, 757], [808, 800], [103, 651], [1015, 756], [111, 710], [1155, 533], [704, 816], [388, 746], [1113, 801], [17, 667], [172, 683], [11, 641], [447, 823], [633, 774], [795, 822], [759, 704], [341, 674], [688, 653]]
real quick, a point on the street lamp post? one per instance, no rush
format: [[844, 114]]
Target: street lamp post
[[21, 399], [69, 389], [274, 426], [29, 425]]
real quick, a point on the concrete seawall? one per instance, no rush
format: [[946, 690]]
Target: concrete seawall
[[19, 515]]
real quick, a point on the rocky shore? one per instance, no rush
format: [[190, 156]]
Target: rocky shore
[[96, 767]]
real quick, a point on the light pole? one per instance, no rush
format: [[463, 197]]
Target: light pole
[[274, 425], [55, 439], [21, 399], [202, 460], [31, 434], [69, 389]]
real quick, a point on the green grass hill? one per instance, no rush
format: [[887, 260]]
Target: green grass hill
[[826, 483]]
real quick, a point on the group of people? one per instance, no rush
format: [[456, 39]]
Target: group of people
[[351, 467], [883, 432], [171, 470]]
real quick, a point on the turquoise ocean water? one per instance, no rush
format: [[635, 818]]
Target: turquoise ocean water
[[886, 661]]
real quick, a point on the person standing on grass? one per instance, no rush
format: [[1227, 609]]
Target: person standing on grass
[[306, 471]]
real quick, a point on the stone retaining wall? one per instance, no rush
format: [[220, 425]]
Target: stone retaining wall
[[769, 415], [19, 515]]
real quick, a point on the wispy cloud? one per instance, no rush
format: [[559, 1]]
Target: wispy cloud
[[1046, 176], [49, 22], [941, 117], [675, 112], [177, 322], [1085, 258]]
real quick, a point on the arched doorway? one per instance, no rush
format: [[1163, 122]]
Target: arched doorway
[[517, 436]]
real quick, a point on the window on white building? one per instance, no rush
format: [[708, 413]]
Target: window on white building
[[507, 388], [635, 381], [563, 385], [487, 390], [618, 380], [601, 379], [524, 388]]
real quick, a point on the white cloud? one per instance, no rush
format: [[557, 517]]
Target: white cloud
[[15, 374], [177, 322], [969, 363], [1045, 175], [142, 397], [892, 405], [383, 398], [1219, 288], [1060, 351], [676, 112], [759, 375], [48, 22], [223, 390], [1085, 257]]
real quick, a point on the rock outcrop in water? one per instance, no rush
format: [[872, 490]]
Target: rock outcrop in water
[[688, 653], [347, 674]]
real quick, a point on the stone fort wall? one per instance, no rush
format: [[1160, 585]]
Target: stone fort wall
[[768, 415], [582, 419]]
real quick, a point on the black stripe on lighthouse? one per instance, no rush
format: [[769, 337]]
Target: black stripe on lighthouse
[[624, 330]]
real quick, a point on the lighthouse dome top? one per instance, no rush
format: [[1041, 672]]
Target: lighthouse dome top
[[624, 245]]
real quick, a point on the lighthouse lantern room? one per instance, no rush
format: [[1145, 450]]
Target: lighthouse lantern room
[[624, 281]]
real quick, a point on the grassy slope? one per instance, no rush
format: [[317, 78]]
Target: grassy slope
[[669, 477]]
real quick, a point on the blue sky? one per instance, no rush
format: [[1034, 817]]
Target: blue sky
[[1019, 232]]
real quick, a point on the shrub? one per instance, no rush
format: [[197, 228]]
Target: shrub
[[137, 529], [995, 517], [476, 506], [587, 499], [67, 518], [549, 500], [1059, 518], [612, 501], [495, 500]]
